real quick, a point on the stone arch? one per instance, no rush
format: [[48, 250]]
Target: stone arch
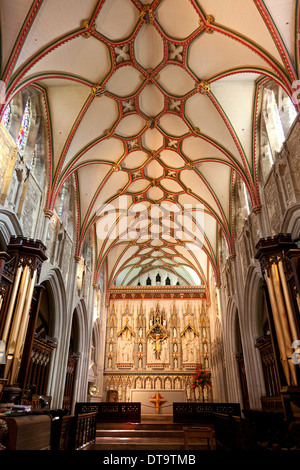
[[218, 365], [53, 283], [291, 221], [79, 345], [96, 344], [253, 328], [231, 348], [9, 226]]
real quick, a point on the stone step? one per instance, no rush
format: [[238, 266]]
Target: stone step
[[138, 443], [143, 436], [147, 433], [165, 426]]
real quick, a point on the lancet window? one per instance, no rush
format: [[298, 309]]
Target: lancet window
[[24, 129], [6, 116], [277, 114]]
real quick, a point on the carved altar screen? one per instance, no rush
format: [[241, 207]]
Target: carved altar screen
[[155, 344]]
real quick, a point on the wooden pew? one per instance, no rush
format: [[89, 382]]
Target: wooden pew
[[202, 437]]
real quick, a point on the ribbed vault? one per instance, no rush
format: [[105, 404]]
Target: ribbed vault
[[152, 110]]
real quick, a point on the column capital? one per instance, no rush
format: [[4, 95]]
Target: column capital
[[48, 213], [257, 209]]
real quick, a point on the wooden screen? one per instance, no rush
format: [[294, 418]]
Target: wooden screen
[[70, 379]]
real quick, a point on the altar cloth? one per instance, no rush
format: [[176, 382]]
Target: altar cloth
[[149, 408]]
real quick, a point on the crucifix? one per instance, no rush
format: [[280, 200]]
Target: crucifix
[[157, 401]]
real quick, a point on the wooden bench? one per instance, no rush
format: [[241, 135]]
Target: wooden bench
[[29, 432], [199, 436]]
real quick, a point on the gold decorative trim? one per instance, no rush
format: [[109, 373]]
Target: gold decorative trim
[[98, 90], [147, 14], [203, 87], [85, 25], [210, 19]]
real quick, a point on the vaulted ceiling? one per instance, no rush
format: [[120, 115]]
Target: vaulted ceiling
[[152, 107]]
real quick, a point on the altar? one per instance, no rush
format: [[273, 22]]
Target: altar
[[157, 402]]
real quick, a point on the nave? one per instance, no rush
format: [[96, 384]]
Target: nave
[[149, 218]]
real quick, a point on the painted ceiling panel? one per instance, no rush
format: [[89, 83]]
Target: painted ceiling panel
[[209, 122], [152, 139], [106, 150], [197, 148], [227, 53], [74, 59], [170, 17], [95, 174], [10, 29], [53, 22], [236, 17], [100, 116], [284, 16], [117, 19], [236, 99], [124, 82], [149, 47], [61, 97]]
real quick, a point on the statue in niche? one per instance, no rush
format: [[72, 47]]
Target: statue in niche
[[158, 342], [140, 363], [189, 346], [125, 345], [168, 384], [177, 384], [157, 350], [139, 383], [148, 384]]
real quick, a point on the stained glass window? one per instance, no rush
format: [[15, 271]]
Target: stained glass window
[[6, 116], [24, 129], [61, 203]]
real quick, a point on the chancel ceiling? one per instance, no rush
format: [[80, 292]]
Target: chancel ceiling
[[152, 110]]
